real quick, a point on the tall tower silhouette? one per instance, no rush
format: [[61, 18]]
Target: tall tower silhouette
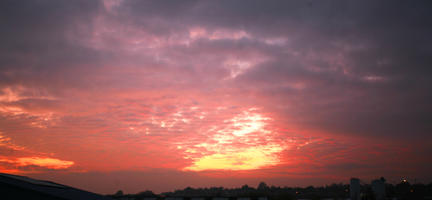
[[355, 189]]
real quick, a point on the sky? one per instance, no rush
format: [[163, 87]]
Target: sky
[[160, 95]]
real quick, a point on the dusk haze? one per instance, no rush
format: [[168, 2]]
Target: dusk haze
[[137, 95]]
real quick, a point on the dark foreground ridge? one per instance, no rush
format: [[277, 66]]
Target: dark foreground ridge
[[21, 187]]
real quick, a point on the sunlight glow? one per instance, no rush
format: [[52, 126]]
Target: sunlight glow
[[242, 143], [245, 159]]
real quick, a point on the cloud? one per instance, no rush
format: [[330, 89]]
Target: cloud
[[19, 159], [49, 163]]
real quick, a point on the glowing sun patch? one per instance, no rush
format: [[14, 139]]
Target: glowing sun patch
[[241, 143], [244, 159]]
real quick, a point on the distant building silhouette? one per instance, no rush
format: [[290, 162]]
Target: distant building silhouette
[[355, 189], [378, 188]]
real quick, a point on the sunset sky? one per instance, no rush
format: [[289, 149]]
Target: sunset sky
[[160, 95]]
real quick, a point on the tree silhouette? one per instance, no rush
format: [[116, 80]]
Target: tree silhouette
[[263, 186], [119, 193]]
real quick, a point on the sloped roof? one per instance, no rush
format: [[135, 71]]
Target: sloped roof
[[48, 188]]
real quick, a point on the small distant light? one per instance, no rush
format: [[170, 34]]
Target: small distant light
[[411, 190]]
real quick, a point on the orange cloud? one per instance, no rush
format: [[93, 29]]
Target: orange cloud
[[6, 142], [51, 163], [45, 162]]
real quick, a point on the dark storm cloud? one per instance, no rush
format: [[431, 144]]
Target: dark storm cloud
[[36, 38], [383, 86]]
